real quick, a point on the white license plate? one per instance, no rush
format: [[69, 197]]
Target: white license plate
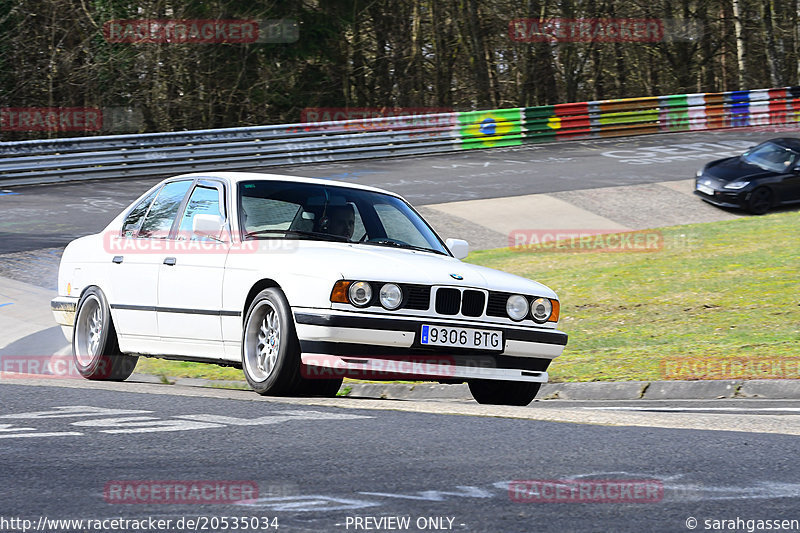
[[705, 189], [482, 339]]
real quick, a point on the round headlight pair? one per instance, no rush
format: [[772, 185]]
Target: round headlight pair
[[517, 308], [360, 294]]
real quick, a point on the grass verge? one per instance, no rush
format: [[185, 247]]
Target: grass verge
[[716, 290]]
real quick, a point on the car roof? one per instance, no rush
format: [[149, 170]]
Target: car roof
[[788, 142], [236, 177]]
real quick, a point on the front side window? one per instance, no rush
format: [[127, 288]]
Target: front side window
[[277, 209], [203, 201], [771, 156], [159, 219]]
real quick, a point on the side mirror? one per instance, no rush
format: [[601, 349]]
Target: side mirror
[[209, 226], [458, 247]]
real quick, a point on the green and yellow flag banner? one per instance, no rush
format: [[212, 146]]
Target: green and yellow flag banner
[[491, 128]]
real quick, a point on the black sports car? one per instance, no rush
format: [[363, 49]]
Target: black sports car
[[763, 177]]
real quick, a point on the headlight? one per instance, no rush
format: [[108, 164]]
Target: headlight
[[360, 293], [541, 308], [391, 296], [736, 185], [699, 173], [517, 307]]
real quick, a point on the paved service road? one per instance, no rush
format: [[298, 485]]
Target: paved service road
[[49, 216], [73, 450]]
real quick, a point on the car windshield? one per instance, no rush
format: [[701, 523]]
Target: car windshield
[[771, 156], [282, 209]]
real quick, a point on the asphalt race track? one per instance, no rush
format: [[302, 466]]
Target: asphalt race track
[[71, 449], [317, 466]]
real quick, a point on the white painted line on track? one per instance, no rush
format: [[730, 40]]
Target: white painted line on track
[[698, 409], [762, 423]]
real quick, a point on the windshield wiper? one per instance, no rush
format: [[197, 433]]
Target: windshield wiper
[[389, 242], [322, 236]]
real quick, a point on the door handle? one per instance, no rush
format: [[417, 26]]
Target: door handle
[[170, 261], [117, 259]]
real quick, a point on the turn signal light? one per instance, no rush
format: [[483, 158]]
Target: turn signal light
[[339, 292]]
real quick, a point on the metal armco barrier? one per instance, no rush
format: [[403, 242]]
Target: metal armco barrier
[[157, 154]]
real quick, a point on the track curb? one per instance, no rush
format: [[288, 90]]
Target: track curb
[[593, 390]]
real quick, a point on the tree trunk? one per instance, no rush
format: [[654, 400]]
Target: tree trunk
[[737, 28], [773, 61], [477, 59]]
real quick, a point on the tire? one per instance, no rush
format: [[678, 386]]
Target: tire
[[760, 201], [270, 350], [496, 392], [95, 348], [327, 388]]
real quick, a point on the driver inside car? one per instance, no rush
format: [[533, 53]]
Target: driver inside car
[[339, 220]]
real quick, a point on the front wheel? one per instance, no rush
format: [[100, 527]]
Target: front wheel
[[496, 392], [95, 348], [270, 350], [760, 201], [327, 388]]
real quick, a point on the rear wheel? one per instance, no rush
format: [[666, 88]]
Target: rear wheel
[[95, 348], [496, 392], [760, 201], [270, 350]]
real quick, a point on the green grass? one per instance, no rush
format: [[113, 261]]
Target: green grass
[[181, 369], [724, 289], [718, 290]]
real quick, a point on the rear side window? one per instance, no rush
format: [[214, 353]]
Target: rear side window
[[159, 219], [134, 221]]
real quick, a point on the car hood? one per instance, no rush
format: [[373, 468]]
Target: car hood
[[733, 168], [380, 263]]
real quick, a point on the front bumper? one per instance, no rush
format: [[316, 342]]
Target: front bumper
[[63, 308], [716, 193], [724, 198], [360, 343]]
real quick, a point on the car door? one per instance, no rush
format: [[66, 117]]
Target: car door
[[791, 184], [190, 279], [133, 294]]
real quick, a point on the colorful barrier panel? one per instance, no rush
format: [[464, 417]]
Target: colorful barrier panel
[[492, 128]]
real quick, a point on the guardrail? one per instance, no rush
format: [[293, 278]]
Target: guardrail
[[155, 154]]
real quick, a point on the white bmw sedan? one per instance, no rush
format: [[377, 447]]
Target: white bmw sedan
[[300, 282]]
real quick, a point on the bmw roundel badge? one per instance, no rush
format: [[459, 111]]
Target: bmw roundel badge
[[456, 276]]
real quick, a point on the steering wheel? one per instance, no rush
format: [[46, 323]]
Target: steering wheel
[[388, 239]]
